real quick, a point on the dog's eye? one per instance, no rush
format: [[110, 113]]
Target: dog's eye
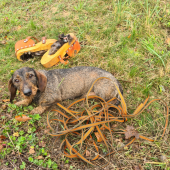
[[16, 80], [31, 75]]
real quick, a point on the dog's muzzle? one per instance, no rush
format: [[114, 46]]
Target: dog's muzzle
[[27, 92]]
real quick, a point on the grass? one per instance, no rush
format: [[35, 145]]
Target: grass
[[125, 38]]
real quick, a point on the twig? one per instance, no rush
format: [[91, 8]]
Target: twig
[[11, 162], [161, 163], [14, 146]]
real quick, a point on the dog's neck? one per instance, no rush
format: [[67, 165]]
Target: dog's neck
[[36, 97]]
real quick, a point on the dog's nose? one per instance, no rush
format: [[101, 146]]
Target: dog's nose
[[27, 92]]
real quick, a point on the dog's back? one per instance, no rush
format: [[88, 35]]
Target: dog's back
[[75, 82]]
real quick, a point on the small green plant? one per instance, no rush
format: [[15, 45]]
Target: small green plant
[[23, 165]]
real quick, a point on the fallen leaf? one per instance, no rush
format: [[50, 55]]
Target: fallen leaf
[[90, 141], [163, 158], [31, 151], [128, 91], [42, 143], [1, 147], [13, 153], [118, 140], [2, 137], [9, 115], [6, 100], [129, 35], [167, 41], [46, 131], [4, 106], [99, 139], [16, 134], [24, 118], [3, 42], [88, 153], [130, 131], [120, 145], [19, 27], [114, 125], [137, 167], [39, 157]]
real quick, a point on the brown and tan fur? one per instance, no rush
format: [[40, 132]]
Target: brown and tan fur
[[47, 87]]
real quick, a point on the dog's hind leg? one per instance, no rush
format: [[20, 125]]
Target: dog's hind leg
[[106, 90]]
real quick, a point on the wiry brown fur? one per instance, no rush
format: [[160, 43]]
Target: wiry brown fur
[[47, 87], [27, 100]]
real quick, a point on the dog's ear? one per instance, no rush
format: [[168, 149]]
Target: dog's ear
[[42, 81], [12, 89]]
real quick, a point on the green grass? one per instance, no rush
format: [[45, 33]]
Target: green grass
[[126, 38]]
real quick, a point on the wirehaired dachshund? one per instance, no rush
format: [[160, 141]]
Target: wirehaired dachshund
[[47, 87]]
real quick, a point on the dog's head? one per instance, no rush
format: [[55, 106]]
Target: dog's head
[[27, 81]]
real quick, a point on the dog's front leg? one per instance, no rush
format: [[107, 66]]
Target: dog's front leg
[[24, 102], [39, 110]]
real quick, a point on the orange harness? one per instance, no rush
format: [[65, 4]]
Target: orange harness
[[28, 45]]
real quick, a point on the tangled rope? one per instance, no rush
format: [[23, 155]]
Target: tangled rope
[[94, 120]]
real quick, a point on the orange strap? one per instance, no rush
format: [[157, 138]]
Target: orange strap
[[29, 37], [94, 119], [62, 61]]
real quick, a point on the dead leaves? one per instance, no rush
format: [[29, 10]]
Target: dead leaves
[[163, 158], [47, 130], [137, 167], [99, 139], [24, 118], [167, 41], [1, 138], [31, 151], [130, 131], [39, 157], [16, 134], [88, 154], [1, 146], [42, 144], [4, 106], [3, 42], [6, 100], [129, 35], [19, 27]]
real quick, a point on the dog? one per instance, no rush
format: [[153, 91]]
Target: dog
[[47, 87]]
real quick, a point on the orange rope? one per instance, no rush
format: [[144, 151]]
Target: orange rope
[[96, 119]]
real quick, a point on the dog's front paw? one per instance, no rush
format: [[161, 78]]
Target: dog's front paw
[[38, 110], [22, 103]]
